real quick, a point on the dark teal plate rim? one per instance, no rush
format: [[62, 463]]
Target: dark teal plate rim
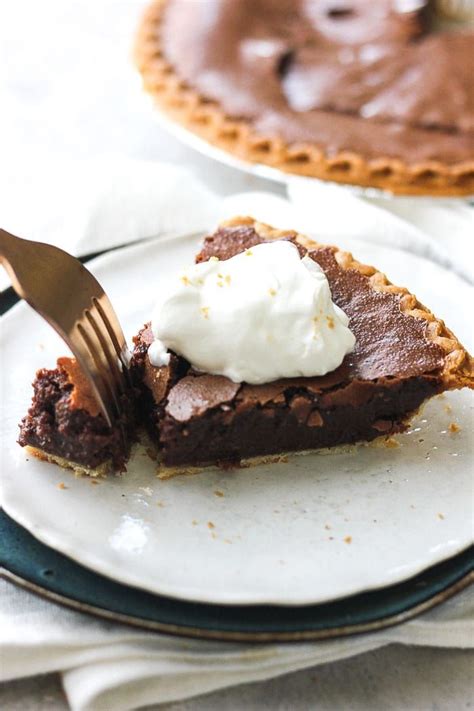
[[42, 570]]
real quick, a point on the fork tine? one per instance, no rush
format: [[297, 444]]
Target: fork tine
[[113, 328], [108, 350], [101, 369], [73, 302], [114, 370], [111, 323], [83, 355], [99, 373], [106, 373]]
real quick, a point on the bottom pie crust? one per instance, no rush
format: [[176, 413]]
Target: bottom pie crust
[[101, 471], [164, 472]]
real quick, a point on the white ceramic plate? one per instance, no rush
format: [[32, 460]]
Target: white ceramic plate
[[314, 529]]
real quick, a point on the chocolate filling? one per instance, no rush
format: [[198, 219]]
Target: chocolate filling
[[297, 421], [199, 418], [55, 426]]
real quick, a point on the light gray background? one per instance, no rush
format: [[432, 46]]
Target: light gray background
[[68, 90]]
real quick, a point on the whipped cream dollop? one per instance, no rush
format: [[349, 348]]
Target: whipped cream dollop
[[259, 316]]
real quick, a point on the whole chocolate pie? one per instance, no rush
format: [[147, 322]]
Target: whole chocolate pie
[[402, 357], [353, 91]]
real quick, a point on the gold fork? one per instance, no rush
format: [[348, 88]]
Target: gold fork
[[72, 301]]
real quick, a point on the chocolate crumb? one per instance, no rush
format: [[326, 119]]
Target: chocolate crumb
[[315, 419], [300, 406], [382, 425]]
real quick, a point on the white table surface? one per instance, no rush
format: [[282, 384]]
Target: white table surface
[[68, 90]]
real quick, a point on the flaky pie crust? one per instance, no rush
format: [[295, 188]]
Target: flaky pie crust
[[79, 469], [187, 107], [458, 365]]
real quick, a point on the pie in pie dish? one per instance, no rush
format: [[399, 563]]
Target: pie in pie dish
[[352, 91], [402, 356]]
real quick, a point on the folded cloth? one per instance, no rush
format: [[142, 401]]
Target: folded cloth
[[108, 666], [86, 207], [93, 205]]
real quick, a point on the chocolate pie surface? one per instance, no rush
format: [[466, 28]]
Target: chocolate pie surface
[[402, 357], [355, 92]]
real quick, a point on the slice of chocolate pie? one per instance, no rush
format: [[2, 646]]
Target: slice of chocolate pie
[[402, 356], [263, 368]]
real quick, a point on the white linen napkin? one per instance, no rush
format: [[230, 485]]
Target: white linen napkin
[[107, 666], [87, 206], [90, 206]]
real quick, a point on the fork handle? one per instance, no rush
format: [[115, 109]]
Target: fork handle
[[23, 258], [9, 244], [10, 247]]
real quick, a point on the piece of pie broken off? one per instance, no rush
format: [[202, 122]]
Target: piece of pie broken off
[[403, 356]]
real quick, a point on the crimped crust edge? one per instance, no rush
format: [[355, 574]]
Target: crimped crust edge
[[458, 367]]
